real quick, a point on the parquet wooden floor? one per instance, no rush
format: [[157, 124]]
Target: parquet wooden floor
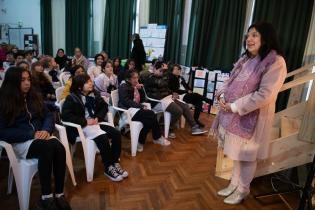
[[178, 177]]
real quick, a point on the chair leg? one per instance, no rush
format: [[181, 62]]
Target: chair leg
[[135, 128], [10, 180], [167, 122], [89, 156], [182, 122], [23, 179]]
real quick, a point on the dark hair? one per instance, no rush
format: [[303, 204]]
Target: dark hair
[[98, 55], [39, 78], [105, 63], [117, 58], [128, 62], [19, 53], [129, 74], [12, 101], [75, 68], [269, 39], [78, 83], [158, 64], [60, 49], [178, 66], [29, 52]]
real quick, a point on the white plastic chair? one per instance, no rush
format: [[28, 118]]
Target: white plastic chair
[[167, 115], [23, 170], [135, 126], [58, 93], [63, 77], [89, 147]]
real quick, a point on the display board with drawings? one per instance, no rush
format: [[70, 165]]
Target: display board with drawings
[[216, 79], [16, 36], [153, 37], [199, 84]]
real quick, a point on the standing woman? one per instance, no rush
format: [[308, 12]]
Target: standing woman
[[26, 124], [247, 102], [138, 52]]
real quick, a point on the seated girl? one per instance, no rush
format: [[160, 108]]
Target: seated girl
[[96, 70], [74, 71], [107, 81], [26, 124], [85, 107], [131, 95]]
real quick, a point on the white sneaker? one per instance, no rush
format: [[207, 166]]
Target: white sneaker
[[162, 141], [228, 190], [236, 197], [139, 147]]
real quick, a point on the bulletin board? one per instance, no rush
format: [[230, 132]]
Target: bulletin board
[[16, 36], [153, 37]]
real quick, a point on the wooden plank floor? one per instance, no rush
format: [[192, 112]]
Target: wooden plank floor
[[178, 177]]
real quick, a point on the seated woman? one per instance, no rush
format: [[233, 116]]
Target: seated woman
[[131, 95], [44, 86], [118, 69], [52, 69], [178, 86], [74, 71], [27, 125], [129, 66], [85, 107], [96, 70], [107, 81]]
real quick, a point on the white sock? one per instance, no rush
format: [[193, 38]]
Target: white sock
[[47, 196], [59, 195]]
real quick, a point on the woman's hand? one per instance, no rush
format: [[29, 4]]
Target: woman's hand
[[44, 135], [225, 106], [139, 86]]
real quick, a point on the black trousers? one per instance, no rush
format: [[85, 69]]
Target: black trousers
[[51, 157], [196, 100], [110, 153], [149, 121]]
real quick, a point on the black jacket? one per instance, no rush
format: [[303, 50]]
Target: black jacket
[[26, 124], [126, 96], [73, 110], [157, 86], [174, 84]]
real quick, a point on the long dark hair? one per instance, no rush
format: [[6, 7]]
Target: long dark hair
[[39, 78], [269, 39], [12, 101]]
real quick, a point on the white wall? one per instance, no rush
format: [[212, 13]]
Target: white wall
[[26, 12]]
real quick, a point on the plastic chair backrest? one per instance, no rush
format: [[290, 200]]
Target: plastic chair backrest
[[115, 97]]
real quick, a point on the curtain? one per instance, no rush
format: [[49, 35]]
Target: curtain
[[119, 18], [216, 33], [292, 22], [79, 17], [169, 13], [46, 26], [58, 24]]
